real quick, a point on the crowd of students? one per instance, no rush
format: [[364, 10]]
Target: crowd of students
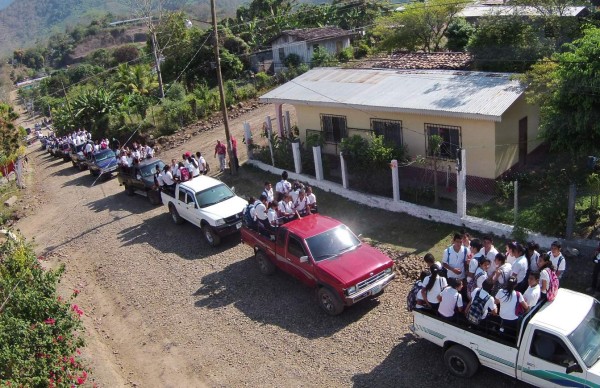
[[474, 278], [131, 156], [275, 207], [189, 167]]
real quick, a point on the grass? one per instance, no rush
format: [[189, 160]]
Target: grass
[[396, 230]]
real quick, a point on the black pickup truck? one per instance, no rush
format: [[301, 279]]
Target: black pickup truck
[[77, 157], [140, 179]]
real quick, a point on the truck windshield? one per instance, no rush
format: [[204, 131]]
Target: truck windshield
[[214, 195], [332, 243], [103, 155], [149, 169], [586, 338]]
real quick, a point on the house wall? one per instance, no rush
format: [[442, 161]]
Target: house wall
[[477, 136], [507, 134], [303, 49]]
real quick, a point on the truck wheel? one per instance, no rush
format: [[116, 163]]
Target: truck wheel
[[265, 265], [74, 164], [174, 215], [461, 361], [210, 236], [329, 301], [154, 197]]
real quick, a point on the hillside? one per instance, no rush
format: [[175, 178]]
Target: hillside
[[24, 22]]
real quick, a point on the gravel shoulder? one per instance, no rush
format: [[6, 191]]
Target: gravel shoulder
[[163, 309]]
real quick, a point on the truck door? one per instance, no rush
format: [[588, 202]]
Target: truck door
[[298, 261], [185, 204], [544, 362]]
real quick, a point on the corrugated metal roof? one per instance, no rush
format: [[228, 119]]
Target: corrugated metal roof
[[472, 95], [506, 10]]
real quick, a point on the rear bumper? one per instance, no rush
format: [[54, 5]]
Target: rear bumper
[[373, 289]]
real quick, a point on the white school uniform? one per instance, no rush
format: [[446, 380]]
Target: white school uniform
[[519, 268], [490, 305], [507, 307], [492, 256], [436, 289], [554, 260], [451, 299], [544, 275], [455, 260], [473, 265], [532, 295]]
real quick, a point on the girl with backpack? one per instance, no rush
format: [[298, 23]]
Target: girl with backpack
[[502, 273], [480, 276], [434, 284], [512, 305], [450, 299], [547, 276], [414, 299]]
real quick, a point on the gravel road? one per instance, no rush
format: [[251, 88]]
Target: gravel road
[[162, 309]]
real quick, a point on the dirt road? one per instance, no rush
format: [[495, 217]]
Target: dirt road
[[162, 309]]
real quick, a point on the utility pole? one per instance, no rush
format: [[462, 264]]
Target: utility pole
[[233, 169], [157, 63]]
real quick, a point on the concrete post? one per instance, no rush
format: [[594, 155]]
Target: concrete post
[[269, 132], [279, 111], [288, 124], [395, 180], [344, 169], [571, 210], [318, 163], [461, 186], [297, 157], [249, 140]]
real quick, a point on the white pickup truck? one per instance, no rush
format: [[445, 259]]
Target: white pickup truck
[[207, 203], [557, 343]]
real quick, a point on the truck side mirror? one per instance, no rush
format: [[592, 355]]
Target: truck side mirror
[[574, 367], [304, 259]]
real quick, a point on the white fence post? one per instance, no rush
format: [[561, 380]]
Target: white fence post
[[461, 185], [248, 138], [297, 157], [395, 180], [269, 132], [318, 163], [344, 169]]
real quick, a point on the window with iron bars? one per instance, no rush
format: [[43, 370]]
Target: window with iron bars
[[451, 137], [391, 130], [334, 128]]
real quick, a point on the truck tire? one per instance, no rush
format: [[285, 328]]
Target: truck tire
[[174, 215], [210, 236], [460, 361], [265, 265], [329, 301], [154, 197]]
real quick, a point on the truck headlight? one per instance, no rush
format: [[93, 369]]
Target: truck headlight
[[220, 222], [388, 271], [351, 290]]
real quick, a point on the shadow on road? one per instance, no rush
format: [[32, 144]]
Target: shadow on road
[[81, 180], [418, 362], [278, 300], [119, 202], [185, 240]]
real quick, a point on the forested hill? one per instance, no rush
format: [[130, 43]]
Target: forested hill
[[23, 22]]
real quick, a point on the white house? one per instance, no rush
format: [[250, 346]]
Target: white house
[[305, 41]]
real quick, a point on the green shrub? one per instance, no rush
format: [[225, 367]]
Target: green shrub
[[39, 330], [346, 55], [262, 80], [292, 60]]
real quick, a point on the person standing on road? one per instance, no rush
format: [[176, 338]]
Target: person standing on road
[[234, 154], [221, 150], [168, 180], [201, 163]]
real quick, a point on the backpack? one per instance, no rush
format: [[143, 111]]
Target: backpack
[[248, 216], [473, 283], [519, 310], [411, 298], [185, 174], [476, 310], [553, 285], [560, 259]]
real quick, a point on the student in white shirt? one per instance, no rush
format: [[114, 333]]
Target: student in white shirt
[[450, 299], [430, 260], [532, 294], [484, 292], [454, 258], [301, 204], [508, 298], [312, 199], [519, 268], [260, 212], [201, 163], [502, 273], [420, 301], [533, 255], [489, 251], [168, 180], [545, 266], [283, 187], [557, 259], [510, 255], [474, 261], [434, 284], [268, 192], [193, 166], [272, 214]]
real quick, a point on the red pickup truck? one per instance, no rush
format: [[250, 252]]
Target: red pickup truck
[[325, 254]]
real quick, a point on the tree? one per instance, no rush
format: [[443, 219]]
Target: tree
[[568, 93], [11, 136], [92, 109], [127, 53], [418, 26], [458, 34], [137, 79]]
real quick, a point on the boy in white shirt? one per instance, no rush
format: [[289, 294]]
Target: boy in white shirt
[[454, 258], [475, 247], [484, 293], [557, 259], [450, 298], [312, 199], [268, 192], [489, 251]]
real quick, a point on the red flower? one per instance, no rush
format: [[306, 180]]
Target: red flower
[[50, 321], [76, 292], [81, 379], [77, 310]]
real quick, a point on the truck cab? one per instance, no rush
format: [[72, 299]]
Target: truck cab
[[140, 179], [207, 203], [557, 343], [324, 254]]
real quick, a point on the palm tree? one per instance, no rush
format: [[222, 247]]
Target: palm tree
[[136, 79]]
